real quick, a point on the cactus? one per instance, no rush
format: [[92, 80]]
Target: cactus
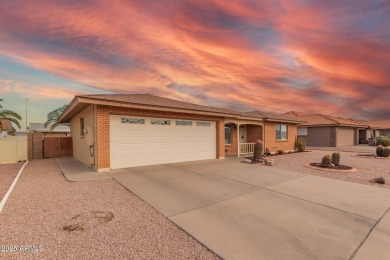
[[327, 161], [300, 144], [386, 152], [336, 159], [379, 150], [258, 152]]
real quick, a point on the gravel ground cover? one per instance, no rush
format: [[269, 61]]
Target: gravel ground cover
[[8, 173], [354, 148], [86, 220], [368, 168]]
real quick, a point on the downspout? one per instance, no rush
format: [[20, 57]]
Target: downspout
[[95, 143]]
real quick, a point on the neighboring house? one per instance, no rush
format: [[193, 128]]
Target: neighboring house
[[119, 131], [330, 131], [6, 126], [56, 132], [383, 126]]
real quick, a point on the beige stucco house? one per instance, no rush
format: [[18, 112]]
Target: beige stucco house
[[120, 130], [331, 131]]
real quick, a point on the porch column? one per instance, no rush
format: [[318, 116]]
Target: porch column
[[238, 140]]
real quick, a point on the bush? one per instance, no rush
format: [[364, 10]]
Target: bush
[[327, 160], [300, 144], [336, 159], [379, 150], [384, 141], [386, 152]]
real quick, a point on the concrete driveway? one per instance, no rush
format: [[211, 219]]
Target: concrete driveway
[[243, 211]]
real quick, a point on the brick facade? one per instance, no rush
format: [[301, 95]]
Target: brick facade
[[254, 133], [274, 145], [103, 129]]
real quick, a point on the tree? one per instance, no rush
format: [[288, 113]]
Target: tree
[[9, 115], [52, 118]]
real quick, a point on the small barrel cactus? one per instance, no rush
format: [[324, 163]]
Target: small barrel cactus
[[258, 151], [386, 152], [327, 161], [379, 150], [336, 159]]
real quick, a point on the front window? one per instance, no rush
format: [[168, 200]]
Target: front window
[[228, 135], [82, 126], [281, 132]]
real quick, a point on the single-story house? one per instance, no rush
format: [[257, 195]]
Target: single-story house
[[383, 126], [127, 130], [330, 131], [59, 131]]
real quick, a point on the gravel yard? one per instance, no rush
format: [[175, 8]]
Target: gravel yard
[[109, 221], [8, 173], [368, 168]]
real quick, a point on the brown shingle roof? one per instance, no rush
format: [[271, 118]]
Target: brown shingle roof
[[150, 100], [267, 115], [146, 101], [320, 119]]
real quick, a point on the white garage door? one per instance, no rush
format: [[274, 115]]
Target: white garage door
[[345, 136], [140, 141]]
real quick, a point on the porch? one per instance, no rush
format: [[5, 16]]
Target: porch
[[240, 138]]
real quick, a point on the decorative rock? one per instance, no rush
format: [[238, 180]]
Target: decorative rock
[[379, 180], [270, 162]]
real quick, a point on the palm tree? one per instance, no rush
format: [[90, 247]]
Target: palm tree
[[52, 118], [9, 115]]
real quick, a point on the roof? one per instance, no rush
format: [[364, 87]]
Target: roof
[[40, 127], [151, 102], [270, 116], [383, 124], [325, 120]]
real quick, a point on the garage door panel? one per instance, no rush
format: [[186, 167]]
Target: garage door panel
[[160, 133], [132, 133], [160, 158], [133, 146], [148, 144], [183, 132]]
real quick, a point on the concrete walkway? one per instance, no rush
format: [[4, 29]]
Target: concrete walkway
[[243, 211], [74, 170]]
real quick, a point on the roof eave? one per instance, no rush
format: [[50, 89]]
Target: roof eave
[[65, 118]]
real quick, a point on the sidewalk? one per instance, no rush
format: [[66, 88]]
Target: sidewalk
[[74, 170]]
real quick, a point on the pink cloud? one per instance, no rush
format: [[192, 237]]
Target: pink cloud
[[270, 55]]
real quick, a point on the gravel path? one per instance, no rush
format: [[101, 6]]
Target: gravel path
[[8, 173], [43, 202], [368, 168]]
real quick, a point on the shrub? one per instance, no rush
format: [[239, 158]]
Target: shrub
[[386, 152], [379, 150], [281, 152], [300, 144], [327, 160], [336, 159], [384, 141], [258, 151]]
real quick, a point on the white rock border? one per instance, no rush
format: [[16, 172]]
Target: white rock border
[[329, 169], [5, 198]]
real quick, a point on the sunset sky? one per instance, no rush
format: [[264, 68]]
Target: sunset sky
[[330, 57]]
